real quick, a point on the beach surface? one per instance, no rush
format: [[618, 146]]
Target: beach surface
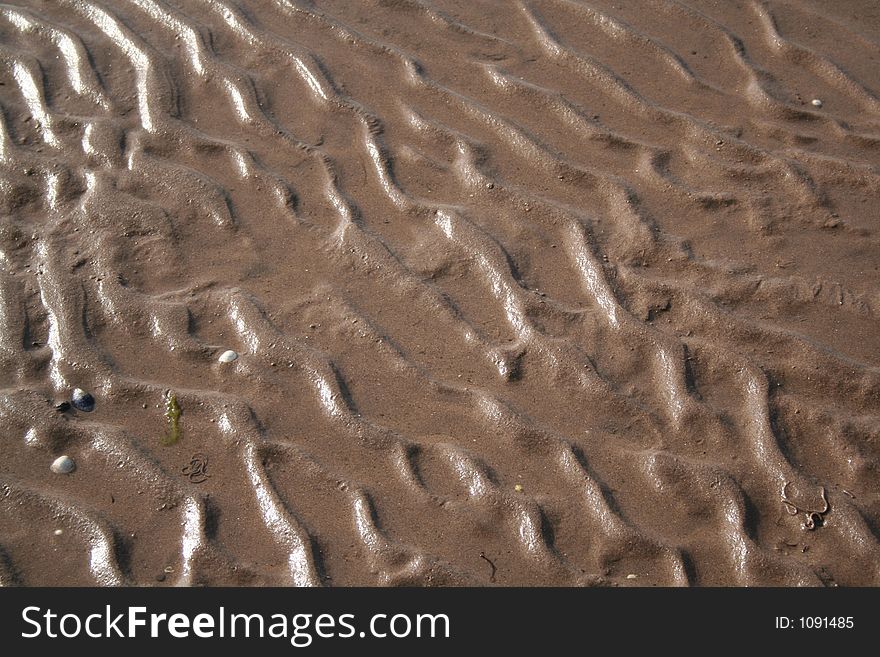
[[438, 293]]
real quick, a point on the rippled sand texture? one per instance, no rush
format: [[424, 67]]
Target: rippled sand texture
[[525, 292]]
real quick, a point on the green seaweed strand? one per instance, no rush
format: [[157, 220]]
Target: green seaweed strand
[[172, 412]]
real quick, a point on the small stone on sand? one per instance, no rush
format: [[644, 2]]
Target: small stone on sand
[[58, 532], [83, 400], [816, 102], [632, 576], [228, 356], [63, 465], [518, 488]]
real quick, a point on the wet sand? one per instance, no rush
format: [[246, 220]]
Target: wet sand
[[545, 292]]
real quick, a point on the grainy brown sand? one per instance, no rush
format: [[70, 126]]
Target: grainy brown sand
[[575, 292]]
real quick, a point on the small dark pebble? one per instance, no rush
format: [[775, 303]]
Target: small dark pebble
[[62, 407], [83, 400]]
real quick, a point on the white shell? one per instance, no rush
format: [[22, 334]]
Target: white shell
[[63, 465], [816, 102], [228, 356]]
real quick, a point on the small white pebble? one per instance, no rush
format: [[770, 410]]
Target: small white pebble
[[63, 465], [58, 532], [632, 576], [228, 356], [816, 102]]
